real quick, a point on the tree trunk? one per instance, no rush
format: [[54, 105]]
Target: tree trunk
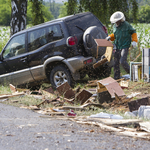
[[18, 16]]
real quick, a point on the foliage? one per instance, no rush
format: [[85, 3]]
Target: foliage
[[37, 13], [46, 13], [143, 2], [5, 11], [4, 36], [103, 9], [143, 32], [71, 7], [63, 11], [144, 13], [54, 8]]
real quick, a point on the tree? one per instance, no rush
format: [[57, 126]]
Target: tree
[[5, 12], [37, 12], [144, 13], [18, 15], [46, 13], [71, 7], [63, 11], [103, 9]]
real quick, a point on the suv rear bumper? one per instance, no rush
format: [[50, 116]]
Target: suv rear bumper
[[77, 63]]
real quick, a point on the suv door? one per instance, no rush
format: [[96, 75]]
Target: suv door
[[44, 43], [15, 61]]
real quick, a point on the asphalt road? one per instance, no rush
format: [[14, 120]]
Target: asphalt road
[[22, 129]]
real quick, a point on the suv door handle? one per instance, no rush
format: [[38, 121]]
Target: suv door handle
[[23, 59]]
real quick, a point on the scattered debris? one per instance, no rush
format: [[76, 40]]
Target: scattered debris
[[124, 84], [145, 126], [5, 96], [83, 96], [65, 90], [12, 88], [108, 93], [71, 113], [134, 105], [144, 112], [106, 115], [107, 88]]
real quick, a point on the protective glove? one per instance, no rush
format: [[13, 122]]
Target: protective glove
[[102, 57], [134, 44], [108, 38]]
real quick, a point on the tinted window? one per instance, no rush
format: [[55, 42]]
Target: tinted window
[[83, 22], [15, 47], [54, 33], [36, 39]]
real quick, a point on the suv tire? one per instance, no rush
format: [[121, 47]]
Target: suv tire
[[59, 75], [90, 45]]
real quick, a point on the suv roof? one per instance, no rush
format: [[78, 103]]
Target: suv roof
[[69, 21]]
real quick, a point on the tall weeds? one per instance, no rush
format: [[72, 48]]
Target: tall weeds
[[4, 36]]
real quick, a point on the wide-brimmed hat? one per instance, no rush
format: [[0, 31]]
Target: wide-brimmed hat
[[118, 15]]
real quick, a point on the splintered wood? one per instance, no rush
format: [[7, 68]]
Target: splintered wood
[[118, 126]]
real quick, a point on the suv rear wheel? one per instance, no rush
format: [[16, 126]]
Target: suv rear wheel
[[59, 75]]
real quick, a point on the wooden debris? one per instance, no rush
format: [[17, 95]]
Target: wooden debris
[[83, 96], [47, 94], [134, 105], [12, 88], [5, 96], [120, 101], [50, 101], [145, 126], [110, 85], [72, 107], [116, 122], [124, 84], [119, 130], [65, 90]]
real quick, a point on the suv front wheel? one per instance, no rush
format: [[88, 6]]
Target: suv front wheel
[[59, 75]]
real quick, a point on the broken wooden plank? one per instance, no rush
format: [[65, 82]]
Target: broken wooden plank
[[49, 101], [12, 88], [124, 84], [83, 96], [134, 105], [145, 126], [99, 63], [71, 107], [122, 131], [65, 90], [114, 122], [110, 85], [103, 43], [11, 95]]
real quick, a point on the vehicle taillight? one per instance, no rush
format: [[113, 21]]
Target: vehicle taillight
[[88, 61], [72, 40], [105, 29]]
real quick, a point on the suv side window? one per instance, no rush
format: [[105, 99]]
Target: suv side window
[[16, 46], [36, 39], [54, 33]]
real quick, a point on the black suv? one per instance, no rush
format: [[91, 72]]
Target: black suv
[[62, 50]]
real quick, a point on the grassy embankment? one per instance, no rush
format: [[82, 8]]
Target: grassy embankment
[[144, 40]]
